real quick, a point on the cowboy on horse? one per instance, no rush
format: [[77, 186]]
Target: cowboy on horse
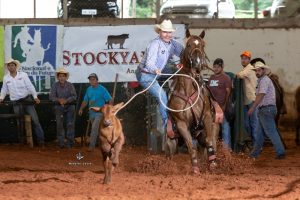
[[157, 54]]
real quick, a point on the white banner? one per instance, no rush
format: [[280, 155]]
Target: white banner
[[38, 48], [108, 50]]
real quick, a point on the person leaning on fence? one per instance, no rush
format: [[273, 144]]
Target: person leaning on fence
[[158, 53], [21, 91], [96, 96], [249, 85], [63, 93], [220, 86], [266, 102]]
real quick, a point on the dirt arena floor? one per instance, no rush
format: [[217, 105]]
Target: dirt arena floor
[[57, 174]]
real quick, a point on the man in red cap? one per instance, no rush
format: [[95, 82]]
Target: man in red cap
[[249, 85]]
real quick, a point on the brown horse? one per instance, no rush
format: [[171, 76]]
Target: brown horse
[[198, 121]]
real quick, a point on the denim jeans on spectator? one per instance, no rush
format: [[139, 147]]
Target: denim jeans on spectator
[[266, 116], [226, 134], [95, 130], [250, 122], [29, 109], [65, 114], [145, 80]]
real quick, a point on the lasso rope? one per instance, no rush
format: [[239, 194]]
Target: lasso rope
[[160, 90], [185, 75]]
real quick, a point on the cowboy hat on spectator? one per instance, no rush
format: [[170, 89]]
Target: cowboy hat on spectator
[[10, 60], [259, 64], [62, 70]]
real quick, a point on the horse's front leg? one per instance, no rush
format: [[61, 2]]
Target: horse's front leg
[[185, 133], [212, 130]]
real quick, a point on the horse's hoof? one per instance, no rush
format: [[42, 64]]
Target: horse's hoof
[[196, 170]]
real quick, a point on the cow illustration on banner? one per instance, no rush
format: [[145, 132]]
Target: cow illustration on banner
[[38, 49]]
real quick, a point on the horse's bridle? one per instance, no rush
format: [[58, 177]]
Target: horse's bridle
[[203, 59]]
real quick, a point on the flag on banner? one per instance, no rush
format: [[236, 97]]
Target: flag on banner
[[38, 48]]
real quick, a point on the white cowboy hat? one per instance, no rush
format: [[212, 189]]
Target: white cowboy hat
[[62, 70], [259, 64], [10, 60], [166, 25]]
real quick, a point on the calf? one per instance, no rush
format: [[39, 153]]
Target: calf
[[297, 98], [111, 139]]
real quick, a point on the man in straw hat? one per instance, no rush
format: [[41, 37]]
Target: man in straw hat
[[266, 102], [158, 53], [20, 89], [63, 94], [249, 85]]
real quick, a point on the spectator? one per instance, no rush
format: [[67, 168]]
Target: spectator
[[220, 86], [158, 53], [266, 102], [63, 94], [96, 96], [249, 85], [20, 90]]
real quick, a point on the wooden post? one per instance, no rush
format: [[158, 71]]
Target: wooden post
[[65, 9], [28, 130], [115, 87], [34, 9], [255, 9]]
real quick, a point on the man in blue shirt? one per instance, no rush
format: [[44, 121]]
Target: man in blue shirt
[[158, 53], [96, 96]]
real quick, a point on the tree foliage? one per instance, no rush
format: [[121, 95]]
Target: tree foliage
[[145, 8], [249, 4]]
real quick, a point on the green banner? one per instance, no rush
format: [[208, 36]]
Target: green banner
[[1, 53]]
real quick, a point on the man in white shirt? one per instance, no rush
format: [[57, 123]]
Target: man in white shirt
[[20, 89]]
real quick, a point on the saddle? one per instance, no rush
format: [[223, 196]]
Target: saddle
[[198, 126]]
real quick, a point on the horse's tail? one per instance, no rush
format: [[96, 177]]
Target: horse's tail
[[48, 47]]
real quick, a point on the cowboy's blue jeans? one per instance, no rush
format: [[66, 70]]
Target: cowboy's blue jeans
[[145, 80], [250, 122], [226, 134], [29, 109], [65, 114], [95, 130], [266, 116]]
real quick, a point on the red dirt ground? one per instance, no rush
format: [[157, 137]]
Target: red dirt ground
[[56, 174]]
